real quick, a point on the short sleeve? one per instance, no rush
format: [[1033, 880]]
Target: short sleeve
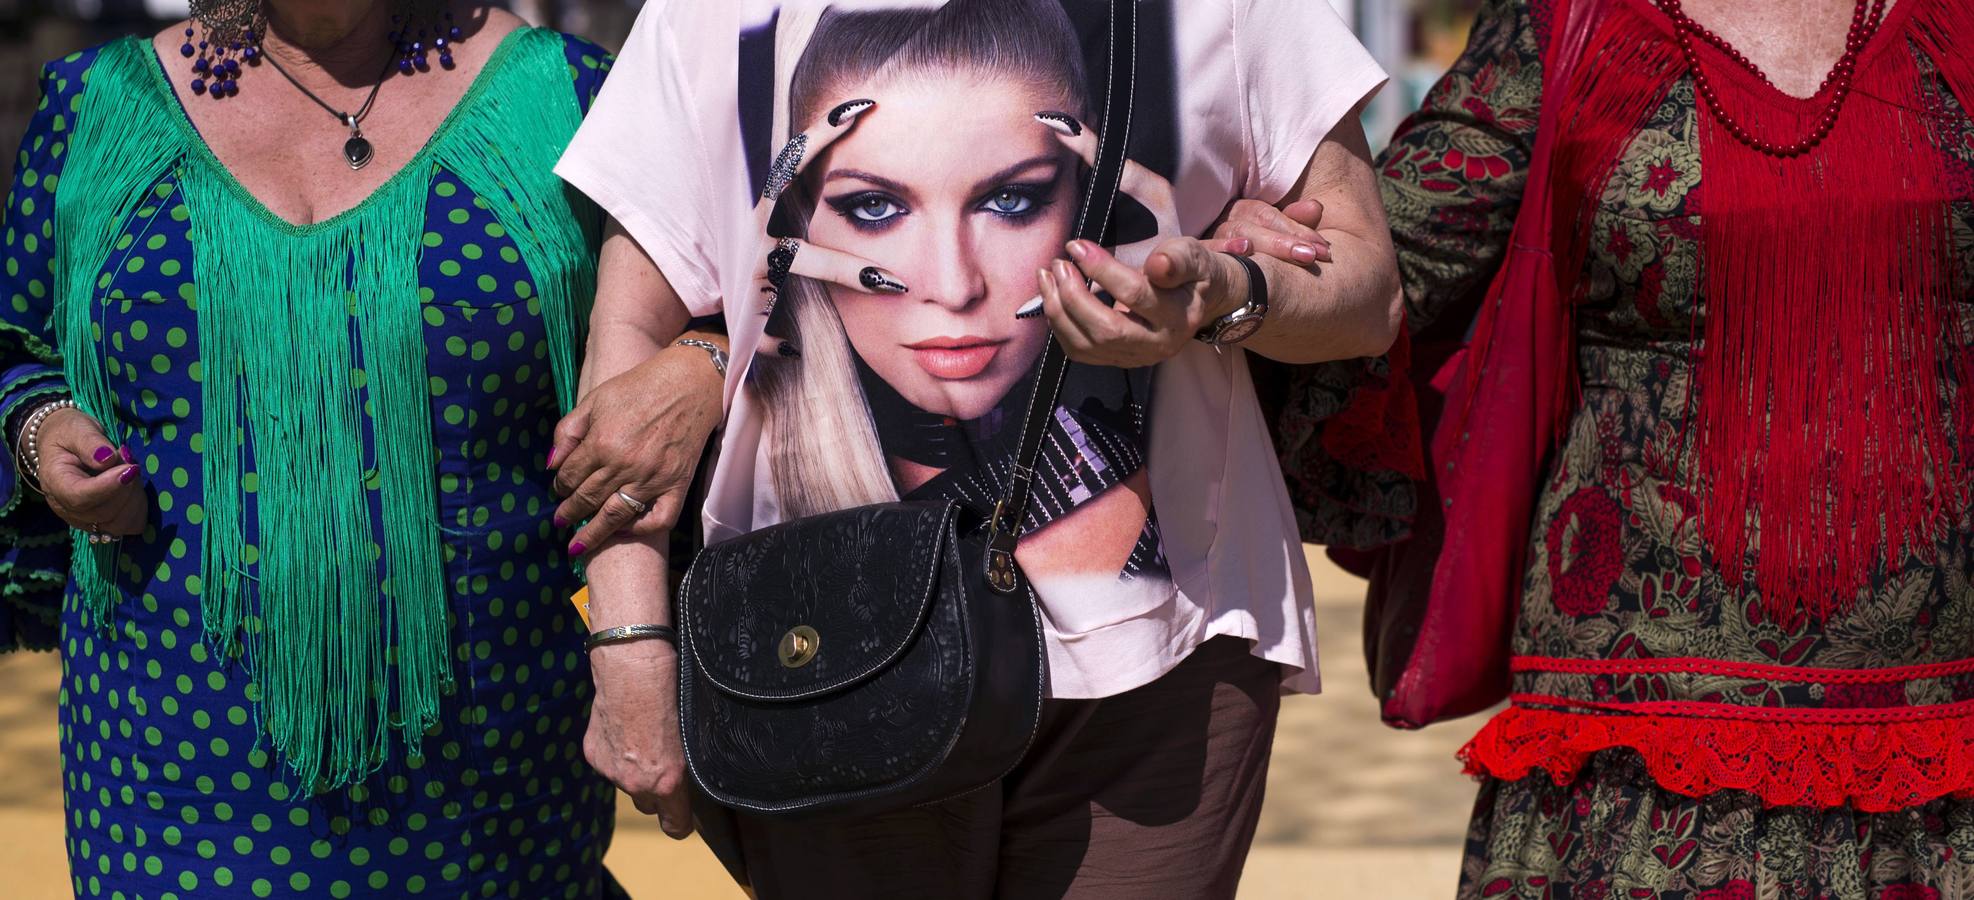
[[1300, 72], [641, 155]]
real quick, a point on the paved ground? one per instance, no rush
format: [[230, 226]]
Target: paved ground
[[1355, 810]]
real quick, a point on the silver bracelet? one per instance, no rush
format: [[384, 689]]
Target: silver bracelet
[[27, 444], [712, 349], [623, 633]]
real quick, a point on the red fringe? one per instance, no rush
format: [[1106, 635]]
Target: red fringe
[[1820, 429], [1626, 69], [1870, 768]]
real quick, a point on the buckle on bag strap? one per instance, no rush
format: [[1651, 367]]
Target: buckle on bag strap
[[1001, 537]]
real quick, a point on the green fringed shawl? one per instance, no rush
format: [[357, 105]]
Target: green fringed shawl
[[311, 339]]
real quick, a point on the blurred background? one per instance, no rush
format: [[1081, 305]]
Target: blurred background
[[1353, 810]]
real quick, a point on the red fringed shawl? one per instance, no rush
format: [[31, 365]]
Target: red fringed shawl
[[1820, 438], [1816, 423]]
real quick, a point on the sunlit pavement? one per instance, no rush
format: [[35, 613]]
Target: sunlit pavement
[[1354, 809]]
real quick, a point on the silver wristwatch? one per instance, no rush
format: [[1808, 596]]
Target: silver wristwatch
[[1242, 323], [712, 349]]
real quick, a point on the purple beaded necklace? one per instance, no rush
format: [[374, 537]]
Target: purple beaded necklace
[[216, 62], [217, 56]]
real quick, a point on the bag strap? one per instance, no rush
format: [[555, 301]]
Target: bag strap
[[1004, 525]]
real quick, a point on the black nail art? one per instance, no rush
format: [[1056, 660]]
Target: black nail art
[[768, 305], [788, 351], [849, 109], [782, 173], [780, 260], [878, 280], [1065, 120]]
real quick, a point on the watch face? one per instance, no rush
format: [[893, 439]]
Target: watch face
[[1238, 330]]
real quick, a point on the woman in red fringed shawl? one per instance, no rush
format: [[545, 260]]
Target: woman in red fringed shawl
[[1744, 655]]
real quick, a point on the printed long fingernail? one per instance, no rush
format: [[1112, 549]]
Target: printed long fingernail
[[104, 453], [849, 110], [1031, 309], [128, 475], [876, 279], [786, 164], [1061, 122], [779, 347]]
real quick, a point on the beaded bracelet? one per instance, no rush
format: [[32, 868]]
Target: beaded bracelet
[[27, 445]]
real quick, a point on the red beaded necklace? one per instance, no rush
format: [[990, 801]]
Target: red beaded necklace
[[1864, 23]]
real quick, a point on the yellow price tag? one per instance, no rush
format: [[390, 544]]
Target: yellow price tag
[[581, 601]]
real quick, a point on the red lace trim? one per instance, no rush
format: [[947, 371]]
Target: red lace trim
[[1871, 768]]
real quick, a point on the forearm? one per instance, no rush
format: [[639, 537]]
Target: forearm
[[637, 314], [628, 581], [1353, 305], [1347, 308]]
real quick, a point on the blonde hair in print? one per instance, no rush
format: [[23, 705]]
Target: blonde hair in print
[[823, 448]]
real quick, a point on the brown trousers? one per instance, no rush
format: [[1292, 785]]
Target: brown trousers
[[1151, 793]]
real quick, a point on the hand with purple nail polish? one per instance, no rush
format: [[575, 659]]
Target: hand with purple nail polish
[[640, 435], [91, 483]]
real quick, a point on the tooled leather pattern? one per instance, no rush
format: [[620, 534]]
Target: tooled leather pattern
[[862, 578], [845, 570]]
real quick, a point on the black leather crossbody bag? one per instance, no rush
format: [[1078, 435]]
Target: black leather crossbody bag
[[886, 656]]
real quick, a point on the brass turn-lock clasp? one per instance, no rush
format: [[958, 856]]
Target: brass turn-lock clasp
[[799, 646]]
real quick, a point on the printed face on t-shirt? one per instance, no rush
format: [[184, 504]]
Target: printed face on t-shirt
[[936, 163], [952, 185]]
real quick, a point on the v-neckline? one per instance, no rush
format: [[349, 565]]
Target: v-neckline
[[1891, 31], [182, 119]]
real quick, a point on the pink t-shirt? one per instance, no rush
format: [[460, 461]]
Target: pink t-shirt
[[871, 289]]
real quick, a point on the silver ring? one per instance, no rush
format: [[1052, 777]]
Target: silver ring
[[635, 504]]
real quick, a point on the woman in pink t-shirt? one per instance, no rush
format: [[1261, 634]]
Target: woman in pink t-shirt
[[878, 197]]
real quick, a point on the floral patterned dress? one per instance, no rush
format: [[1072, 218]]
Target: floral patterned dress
[[1669, 738]]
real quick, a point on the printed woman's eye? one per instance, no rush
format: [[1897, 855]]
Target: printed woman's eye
[[875, 209], [867, 209], [1010, 202], [1018, 202]]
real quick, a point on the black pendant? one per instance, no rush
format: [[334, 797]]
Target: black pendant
[[357, 151]]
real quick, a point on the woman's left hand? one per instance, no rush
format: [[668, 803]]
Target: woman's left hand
[[1184, 285], [640, 434]]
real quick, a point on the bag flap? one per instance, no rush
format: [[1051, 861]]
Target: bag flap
[[815, 605]]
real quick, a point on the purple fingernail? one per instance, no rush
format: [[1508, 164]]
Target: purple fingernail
[[103, 454], [578, 548], [560, 522], [129, 475], [128, 456]]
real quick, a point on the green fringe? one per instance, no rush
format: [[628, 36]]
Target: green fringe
[[298, 326]]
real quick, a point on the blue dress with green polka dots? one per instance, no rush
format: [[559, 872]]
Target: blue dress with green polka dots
[[169, 789]]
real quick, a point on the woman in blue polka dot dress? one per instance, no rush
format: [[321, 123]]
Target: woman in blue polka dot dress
[[285, 342]]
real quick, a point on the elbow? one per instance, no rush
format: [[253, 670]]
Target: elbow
[[1384, 316]]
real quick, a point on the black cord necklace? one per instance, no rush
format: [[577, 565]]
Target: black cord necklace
[[357, 150]]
